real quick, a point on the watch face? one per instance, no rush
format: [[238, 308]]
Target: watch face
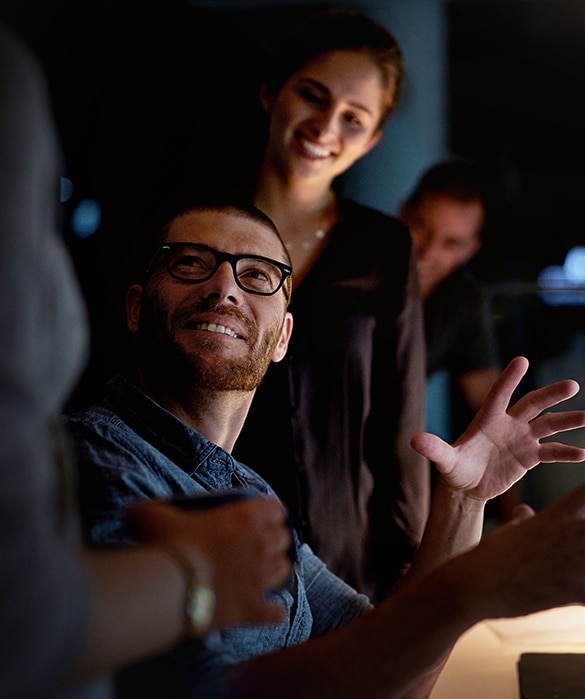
[[200, 606]]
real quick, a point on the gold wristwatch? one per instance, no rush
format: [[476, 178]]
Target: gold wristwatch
[[199, 605], [199, 597]]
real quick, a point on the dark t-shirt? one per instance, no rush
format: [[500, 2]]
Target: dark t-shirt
[[461, 337], [459, 329]]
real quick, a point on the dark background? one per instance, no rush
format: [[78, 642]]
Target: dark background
[[517, 85], [145, 93]]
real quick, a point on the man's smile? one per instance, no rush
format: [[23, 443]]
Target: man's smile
[[215, 328]]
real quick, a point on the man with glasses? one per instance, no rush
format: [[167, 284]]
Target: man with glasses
[[209, 317]]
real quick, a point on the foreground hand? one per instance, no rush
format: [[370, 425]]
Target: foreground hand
[[503, 442], [532, 563], [243, 546]]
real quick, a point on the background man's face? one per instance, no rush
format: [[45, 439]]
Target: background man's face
[[446, 235]]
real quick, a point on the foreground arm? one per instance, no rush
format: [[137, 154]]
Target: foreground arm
[[397, 650], [139, 595], [523, 567]]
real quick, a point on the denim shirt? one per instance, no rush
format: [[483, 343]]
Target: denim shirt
[[129, 448]]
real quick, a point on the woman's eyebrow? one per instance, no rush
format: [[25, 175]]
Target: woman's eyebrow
[[316, 84]]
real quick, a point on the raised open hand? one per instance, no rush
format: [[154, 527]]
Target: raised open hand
[[502, 442]]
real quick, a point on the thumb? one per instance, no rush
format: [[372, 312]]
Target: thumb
[[434, 448]]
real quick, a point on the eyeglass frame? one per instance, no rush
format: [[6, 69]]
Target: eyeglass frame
[[285, 270]]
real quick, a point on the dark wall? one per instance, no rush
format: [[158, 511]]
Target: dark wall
[[517, 100], [144, 93]]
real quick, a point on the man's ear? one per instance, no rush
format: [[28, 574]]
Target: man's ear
[[266, 98], [133, 306], [285, 334]]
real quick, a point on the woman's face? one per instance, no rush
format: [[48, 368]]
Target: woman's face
[[326, 115]]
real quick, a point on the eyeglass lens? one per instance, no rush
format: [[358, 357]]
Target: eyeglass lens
[[197, 264]]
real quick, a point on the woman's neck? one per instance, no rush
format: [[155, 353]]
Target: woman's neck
[[304, 213], [291, 198]]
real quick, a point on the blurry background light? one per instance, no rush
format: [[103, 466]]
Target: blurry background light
[[66, 189], [86, 218], [564, 285]]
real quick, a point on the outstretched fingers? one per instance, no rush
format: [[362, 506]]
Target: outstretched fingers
[[550, 423], [503, 442], [552, 452], [535, 402], [498, 399]]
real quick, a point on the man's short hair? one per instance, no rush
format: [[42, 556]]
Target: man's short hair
[[159, 227]]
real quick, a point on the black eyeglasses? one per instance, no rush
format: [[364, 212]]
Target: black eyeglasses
[[195, 263]]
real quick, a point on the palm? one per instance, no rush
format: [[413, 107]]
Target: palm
[[502, 443]]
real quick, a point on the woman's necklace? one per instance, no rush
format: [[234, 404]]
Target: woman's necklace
[[306, 242]]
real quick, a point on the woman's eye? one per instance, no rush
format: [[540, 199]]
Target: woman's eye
[[354, 121], [310, 95]]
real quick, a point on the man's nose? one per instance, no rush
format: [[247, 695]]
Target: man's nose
[[427, 247], [223, 283]]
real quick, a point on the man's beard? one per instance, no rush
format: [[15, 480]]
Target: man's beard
[[165, 357]]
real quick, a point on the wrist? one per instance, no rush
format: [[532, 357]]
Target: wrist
[[457, 498], [199, 598]]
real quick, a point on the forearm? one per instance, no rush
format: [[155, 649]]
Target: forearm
[[137, 607], [455, 525], [397, 651], [139, 594]]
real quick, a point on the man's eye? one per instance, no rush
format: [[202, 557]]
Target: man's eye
[[189, 261], [256, 273]]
